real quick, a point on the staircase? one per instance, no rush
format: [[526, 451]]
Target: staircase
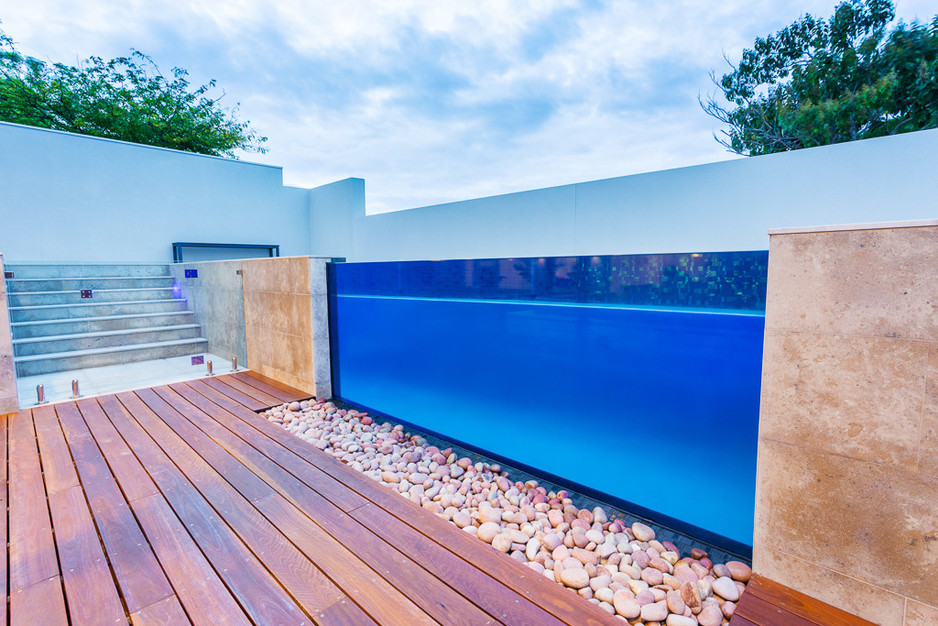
[[134, 314]]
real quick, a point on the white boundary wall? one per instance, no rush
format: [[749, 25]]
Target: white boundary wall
[[66, 197], [721, 206]]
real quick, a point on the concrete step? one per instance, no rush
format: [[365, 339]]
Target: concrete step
[[97, 357], [24, 285], [106, 339], [80, 270], [45, 328], [95, 309], [38, 298]]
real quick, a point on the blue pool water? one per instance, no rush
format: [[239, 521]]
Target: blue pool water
[[656, 406]]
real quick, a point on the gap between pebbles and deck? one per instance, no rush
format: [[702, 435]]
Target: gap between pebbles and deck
[[178, 504], [619, 565]]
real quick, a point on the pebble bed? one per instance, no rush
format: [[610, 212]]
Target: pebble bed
[[620, 567]]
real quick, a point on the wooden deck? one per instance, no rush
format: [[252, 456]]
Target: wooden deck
[[767, 603], [178, 504]]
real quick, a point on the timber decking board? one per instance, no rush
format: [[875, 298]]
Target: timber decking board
[[768, 603], [178, 504]]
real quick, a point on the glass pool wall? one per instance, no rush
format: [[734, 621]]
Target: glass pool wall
[[635, 376]]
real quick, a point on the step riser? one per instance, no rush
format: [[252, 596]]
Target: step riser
[[94, 310], [94, 326], [73, 284], [34, 368], [82, 271], [89, 343], [74, 297]]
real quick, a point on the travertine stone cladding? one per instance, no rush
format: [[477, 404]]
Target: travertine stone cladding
[[286, 321], [847, 482], [8, 401]]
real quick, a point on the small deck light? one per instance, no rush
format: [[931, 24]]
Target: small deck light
[[234, 364], [75, 392], [208, 366], [40, 394]]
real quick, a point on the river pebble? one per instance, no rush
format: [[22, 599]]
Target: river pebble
[[618, 565]]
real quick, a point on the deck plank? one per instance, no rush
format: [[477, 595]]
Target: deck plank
[[39, 603], [237, 395], [524, 582], [207, 513], [32, 549], [138, 573], [4, 574], [282, 391], [201, 591], [766, 603], [265, 399], [386, 561], [289, 566], [89, 588]]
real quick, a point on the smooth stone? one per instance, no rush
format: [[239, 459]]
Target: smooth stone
[[710, 615], [532, 548], [720, 570], [642, 532], [604, 594], [632, 572], [595, 536], [675, 602], [680, 620], [640, 559], [654, 612], [652, 576], [575, 578], [645, 597], [625, 605], [637, 586], [685, 574], [726, 588], [660, 564], [728, 608], [690, 594], [488, 531], [502, 542], [697, 553], [585, 556], [390, 477], [600, 582], [739, 571], [488, 514], [551, 541], [560, 553]]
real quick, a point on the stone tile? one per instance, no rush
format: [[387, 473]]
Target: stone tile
[[854, 596], [872, 282], [856, 396], [918, 614], [284, 274], [928, 453], [318, 283], [878, 523]]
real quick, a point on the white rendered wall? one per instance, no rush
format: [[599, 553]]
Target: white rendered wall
[[67, 197], [722, 206]]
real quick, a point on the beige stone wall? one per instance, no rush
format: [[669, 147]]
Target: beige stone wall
[[286, 321], [8, 400], [847, 482]]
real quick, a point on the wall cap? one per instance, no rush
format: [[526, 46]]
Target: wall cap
[[842, 227]]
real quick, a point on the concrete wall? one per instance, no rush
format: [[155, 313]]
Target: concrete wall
[[287, 323], [69, 197], [217, 301], [8, 399], [716, 207], [847, 482]]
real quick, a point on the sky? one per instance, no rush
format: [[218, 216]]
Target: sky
[[434, 101]]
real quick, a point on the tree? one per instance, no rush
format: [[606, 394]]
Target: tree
[[126, 98], [820, 82]]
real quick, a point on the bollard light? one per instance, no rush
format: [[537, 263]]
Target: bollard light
[[40, 394], [208, 366], [234, 364], [75, 392]]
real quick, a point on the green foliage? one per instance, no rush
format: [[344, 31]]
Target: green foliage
[[820, 82], [126, 98]]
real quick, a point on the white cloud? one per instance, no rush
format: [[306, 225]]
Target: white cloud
[[433, 100]]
